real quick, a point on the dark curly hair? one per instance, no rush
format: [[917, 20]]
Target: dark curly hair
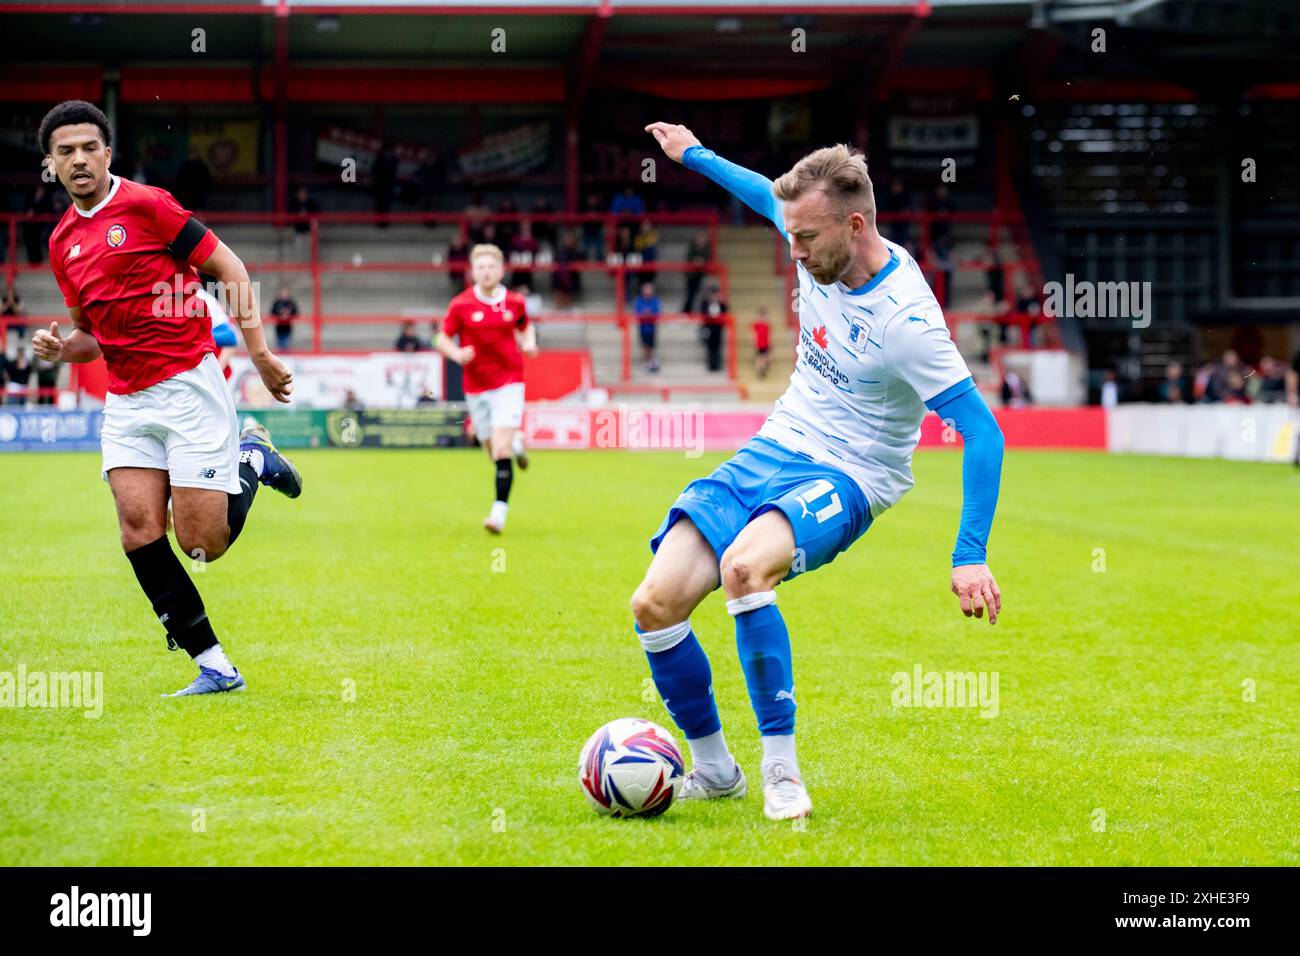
[[70, 113]]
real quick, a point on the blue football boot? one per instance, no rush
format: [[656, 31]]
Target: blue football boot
[[278, 472], [210, 681]]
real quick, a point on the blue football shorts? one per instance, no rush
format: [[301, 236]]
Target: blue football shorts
[[825, 507]]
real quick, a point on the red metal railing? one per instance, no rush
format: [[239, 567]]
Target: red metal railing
[[315, 268]]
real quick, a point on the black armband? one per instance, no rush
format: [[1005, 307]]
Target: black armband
[[188, 239]]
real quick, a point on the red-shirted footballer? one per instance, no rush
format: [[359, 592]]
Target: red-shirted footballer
[[125, 256], [495, 334]]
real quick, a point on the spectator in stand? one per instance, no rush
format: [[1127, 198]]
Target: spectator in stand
[[1234, 389], [1015, 392], [1173, 387], [1109, 390], [475, 214], [942, 251], [193, 181], [996, 277], [543, 228], [762, 343], [1217, 381], [1293, 391], [352, 402], [490, 234], [19, 376], [303, 205], [697, 253], [507, 229], [646, 244], [140, 172], [566, 281], [627, 203], [407, 340], [941, 204], [11, 310], [623, 252], [1269, 385], [458, 259], [383, 180], [36, 235], [1027, 304], [533, 304], [47, 378], [593, 231], [714, 314], [995, 300], [432, 177], [523, 251], [647, 311], [285, 310], [427, 397], [899, 200]]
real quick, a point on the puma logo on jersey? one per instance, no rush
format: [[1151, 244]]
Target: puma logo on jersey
[[74, 252]]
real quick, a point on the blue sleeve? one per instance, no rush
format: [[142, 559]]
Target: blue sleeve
[[753, 189], [981, 468], [223, 335]]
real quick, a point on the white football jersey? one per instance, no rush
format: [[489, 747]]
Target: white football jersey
[[868, 360]]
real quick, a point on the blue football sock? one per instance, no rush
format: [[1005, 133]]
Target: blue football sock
[[764, 646], [681, 673]]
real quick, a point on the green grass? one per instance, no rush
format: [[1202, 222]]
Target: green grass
[[475, 687]]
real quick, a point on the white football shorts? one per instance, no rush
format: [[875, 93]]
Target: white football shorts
[[185, 425], [496, 408]]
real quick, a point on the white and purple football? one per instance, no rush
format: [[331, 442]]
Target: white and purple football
[[631, 767]]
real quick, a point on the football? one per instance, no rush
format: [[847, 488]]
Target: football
[[630, 767]]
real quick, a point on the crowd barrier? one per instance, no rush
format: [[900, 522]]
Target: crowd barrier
[[1266, 433]]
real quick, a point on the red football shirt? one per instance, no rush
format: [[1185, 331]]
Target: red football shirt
[[112, 262], [490, 328]]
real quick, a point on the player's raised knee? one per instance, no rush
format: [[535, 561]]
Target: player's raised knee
[[741, 577], [204, 547], [650, 607]]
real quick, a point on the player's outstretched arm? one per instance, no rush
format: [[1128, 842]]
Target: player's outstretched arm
[[981, 476], [242, 305], [753, 189]]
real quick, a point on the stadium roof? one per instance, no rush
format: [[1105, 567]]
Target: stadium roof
[[1151, 39]]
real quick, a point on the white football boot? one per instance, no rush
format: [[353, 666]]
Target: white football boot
[[784, 795], [519, 451], [496, 519], [697, 786]]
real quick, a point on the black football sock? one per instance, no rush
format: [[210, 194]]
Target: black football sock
[[505, 477], [237, 505], [174, 597]]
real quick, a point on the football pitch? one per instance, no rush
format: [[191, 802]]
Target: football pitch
[[419, 691]]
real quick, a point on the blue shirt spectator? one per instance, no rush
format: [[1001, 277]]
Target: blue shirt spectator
[[627, 203]]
